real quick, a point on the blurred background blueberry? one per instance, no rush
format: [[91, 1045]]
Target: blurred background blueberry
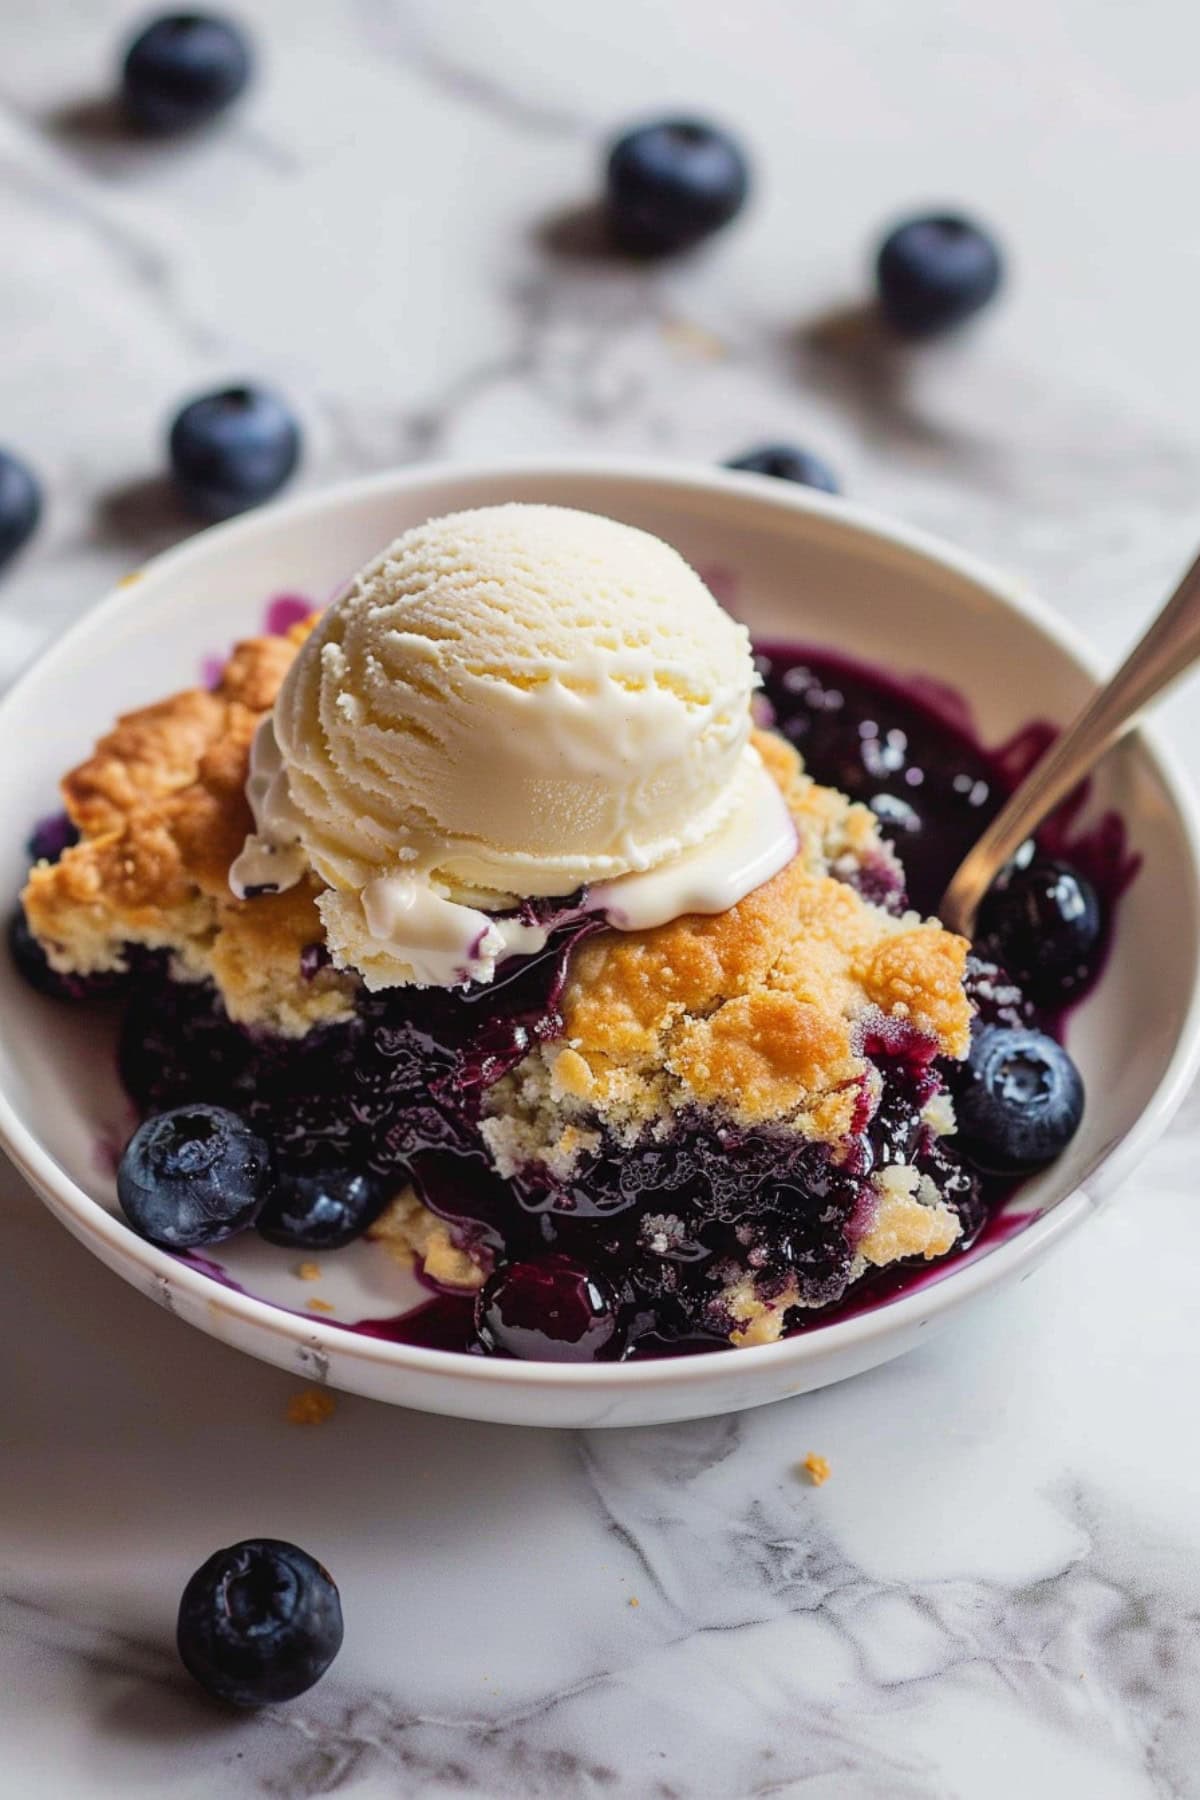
[[20, 505], [673, 183], [233, 449], [183, 69], [787, 462], [935, 272]]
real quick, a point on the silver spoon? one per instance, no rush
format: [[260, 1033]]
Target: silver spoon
[[1170, 646]]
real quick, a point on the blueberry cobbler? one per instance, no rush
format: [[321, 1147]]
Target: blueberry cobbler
[[500, 915]]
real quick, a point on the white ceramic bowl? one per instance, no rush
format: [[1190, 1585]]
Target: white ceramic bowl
[[792, 564]]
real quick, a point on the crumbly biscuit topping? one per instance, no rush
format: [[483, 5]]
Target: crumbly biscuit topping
[[412, 1234], [161, 811], [765, 1012]]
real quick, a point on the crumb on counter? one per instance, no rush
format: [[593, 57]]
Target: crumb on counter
[[691, 339], [311, 1406], [633, 1600], [321, 1306], [816, 1468], [309, 1271]]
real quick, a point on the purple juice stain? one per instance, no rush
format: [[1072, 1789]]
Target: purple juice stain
[[284, 611], [278, 617], [400, 1088]]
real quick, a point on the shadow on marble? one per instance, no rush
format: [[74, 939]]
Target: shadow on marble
[[850, 353], [96, 131], [581, 234], [145, 516], [92, 119]]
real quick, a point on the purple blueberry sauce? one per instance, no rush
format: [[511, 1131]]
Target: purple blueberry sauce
[[284, 611], [279, 615], [633, 1252]]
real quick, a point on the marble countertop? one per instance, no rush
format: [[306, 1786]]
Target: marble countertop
[[998, 1589]]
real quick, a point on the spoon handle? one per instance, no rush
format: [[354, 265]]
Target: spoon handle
[[1170, 646]]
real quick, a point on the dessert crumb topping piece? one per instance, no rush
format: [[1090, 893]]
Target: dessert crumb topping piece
[[161, 812], [311, 1406], [816, 1468]]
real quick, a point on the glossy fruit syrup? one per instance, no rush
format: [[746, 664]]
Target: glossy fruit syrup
[[632, 1255]]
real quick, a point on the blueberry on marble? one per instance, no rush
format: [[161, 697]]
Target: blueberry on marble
[[320, 1212], [672, 183], [193, 1176], [1019, 1101], [934, 272], [20, 505], [548, 1309], [182, 70], [232, 450], [259, 1622], [1043, 924], [787, 462]]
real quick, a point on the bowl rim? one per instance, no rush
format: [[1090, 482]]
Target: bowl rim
[[943, 1291]]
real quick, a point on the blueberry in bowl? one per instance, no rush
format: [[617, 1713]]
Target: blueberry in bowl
[[1019, 1100], [1043, 921], [321, 1210], [550, 1309], [192, 1176]]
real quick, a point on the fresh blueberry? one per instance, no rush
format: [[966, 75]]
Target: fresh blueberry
[[672, 183], [1044, 925], [20, 505], [320, 1212], [787, 463], [192, 1176], [183, 69], [934, 272], [50, 837], [232, 450], [549, 1309], [1019, 1101], [34, 967], [259, 1622]]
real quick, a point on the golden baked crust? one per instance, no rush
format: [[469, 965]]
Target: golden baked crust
[[765, 1010], [161, 811]]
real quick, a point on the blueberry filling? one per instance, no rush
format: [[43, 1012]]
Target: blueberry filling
[[642, 1249]]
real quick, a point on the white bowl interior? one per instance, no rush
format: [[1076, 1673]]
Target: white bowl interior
[[791, 567]]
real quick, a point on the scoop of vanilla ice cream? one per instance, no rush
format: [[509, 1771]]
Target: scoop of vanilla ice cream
[[506, 703]]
